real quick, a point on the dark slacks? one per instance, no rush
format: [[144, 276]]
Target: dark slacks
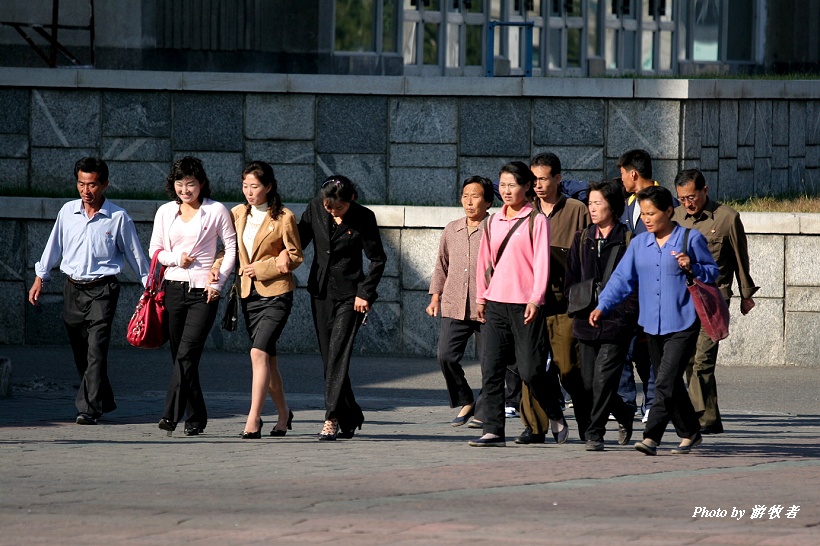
[[670, 353], [337, 324], [190, 319], [601, 365], [452, 342], [702, 385], [88, 314], [507, 339], [639, 355]]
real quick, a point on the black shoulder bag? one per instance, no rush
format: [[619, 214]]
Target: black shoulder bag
[[583, 296]]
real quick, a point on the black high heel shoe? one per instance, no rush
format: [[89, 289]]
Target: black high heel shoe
[[348, 434], [276, 432], [253, 435]]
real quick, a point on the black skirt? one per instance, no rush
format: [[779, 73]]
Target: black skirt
[[265, 318]]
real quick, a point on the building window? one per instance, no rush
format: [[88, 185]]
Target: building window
[[366, 26]]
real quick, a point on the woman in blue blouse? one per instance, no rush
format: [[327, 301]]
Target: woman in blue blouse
[[656, 264]]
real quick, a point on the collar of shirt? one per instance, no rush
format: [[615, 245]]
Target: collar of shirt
[[104, 210], [707, 212], [633, 196], [525, 210]]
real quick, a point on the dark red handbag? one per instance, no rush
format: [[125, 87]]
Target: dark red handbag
[[709, 303], [147, 328]]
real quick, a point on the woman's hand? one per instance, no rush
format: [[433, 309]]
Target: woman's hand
[[594, 317], [213, 276], [211, 294], [433, 308], [530, 312], [361, 305], [683, 260], [185, 261], [249, 271], [479, 311], [283, 261]]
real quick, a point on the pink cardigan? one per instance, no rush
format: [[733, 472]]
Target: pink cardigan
[[523, 272], [216, 224]]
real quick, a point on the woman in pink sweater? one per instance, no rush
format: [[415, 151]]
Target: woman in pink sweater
[[511, 281]]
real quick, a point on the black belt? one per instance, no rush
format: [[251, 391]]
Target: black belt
[[91, 284]]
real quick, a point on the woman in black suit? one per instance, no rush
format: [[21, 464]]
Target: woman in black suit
[[341, 292]]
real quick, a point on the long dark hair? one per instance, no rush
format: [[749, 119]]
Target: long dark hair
[[264, 173], [188, 167], [338, 188], [522, 174]]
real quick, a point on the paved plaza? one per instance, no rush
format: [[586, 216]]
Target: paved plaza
[[407, 477]]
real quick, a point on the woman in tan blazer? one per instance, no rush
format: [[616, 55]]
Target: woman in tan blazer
[[268, 250]]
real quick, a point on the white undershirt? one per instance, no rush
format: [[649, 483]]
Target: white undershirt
[[183, 236], [252, 225]]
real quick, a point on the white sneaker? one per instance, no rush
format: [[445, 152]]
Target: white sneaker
[[645, 417], [510, 412]]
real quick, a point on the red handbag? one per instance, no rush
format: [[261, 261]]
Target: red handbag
[[147, 328], [709, 303]]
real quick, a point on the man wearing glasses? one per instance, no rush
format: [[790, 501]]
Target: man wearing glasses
[[724, 232]]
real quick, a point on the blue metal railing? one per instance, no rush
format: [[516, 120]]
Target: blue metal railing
[[489, 58]]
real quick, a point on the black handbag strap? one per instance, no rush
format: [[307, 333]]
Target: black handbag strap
[[506, 239]]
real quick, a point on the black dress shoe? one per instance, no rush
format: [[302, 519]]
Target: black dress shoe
[[716, 428], [85, 419], [253, 435], [276, 432], [488, 442], [695, 441], [348, 434], [562, 435], [462, 419], [529, 437], [167, 425], [193, 431]]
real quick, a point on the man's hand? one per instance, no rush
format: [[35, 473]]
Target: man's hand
[[36, 289], [594, 317]]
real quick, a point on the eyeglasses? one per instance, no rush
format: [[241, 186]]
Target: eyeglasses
[[687, 198]]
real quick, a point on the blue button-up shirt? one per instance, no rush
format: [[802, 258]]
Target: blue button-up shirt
[[665, 304], [92, 248]]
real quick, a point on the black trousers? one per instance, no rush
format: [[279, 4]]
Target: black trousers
[[452, 342], [337, 324], [670, 355], [508, 339], [601, 365], [190, 319], [88, 314]]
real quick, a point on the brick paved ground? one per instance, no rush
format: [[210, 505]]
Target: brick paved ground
[[407, 478]]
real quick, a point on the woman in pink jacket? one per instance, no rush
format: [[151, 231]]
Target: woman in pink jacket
[[511, 282], [185, 232]]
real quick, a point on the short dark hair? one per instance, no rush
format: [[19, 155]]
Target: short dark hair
[[92, 165], [638, 160], [188, 167], [612, 192], [547, 160], [264, 173], [691, 175], [658, 195], [338, 188], [486, 186], [522, 174]]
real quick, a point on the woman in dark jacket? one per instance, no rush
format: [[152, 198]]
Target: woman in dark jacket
[[594, 254], [341, 293]]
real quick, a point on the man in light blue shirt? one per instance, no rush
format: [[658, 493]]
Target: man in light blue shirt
[[94, 237]]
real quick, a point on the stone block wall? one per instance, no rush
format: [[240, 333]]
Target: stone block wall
[[780, 330], [403, 140]]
